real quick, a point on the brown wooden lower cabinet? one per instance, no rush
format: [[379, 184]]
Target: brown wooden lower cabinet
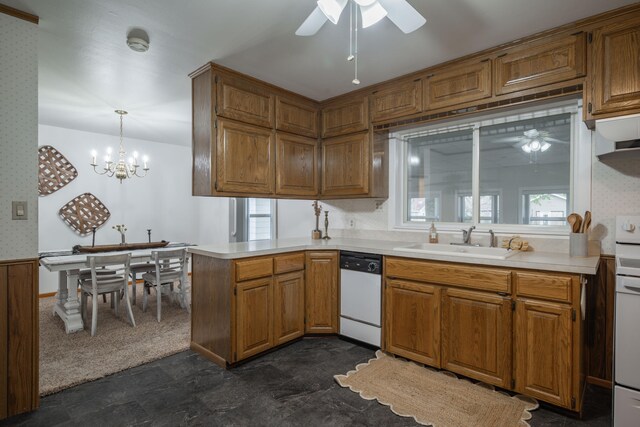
[[288, 293], [527, 337], [19, 390], [544, 349], [476, 335], [322, 292], [254, 317], [412, 320]]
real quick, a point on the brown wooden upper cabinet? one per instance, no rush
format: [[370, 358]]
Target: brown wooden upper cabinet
[[245, 158], [615, 72], [296, 165], [244, 100], [528, 66], [345, 115], [297, 116], [346, 165], [396, 100], [454, 85]]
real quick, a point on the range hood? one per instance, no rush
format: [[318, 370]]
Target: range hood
[[618, 137]]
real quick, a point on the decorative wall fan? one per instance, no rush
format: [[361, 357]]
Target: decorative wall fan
[[399, 12]]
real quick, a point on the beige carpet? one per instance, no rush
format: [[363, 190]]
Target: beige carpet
[[435, 398], [68, 360]]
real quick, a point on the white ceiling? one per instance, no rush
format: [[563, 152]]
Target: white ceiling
[[87, 71]]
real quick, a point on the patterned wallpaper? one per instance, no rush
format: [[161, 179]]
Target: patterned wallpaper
[[18, 136], [615, 191]]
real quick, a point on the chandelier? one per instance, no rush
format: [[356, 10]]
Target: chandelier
[[122, 169]]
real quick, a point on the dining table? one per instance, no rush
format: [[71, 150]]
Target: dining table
[[68, 266]]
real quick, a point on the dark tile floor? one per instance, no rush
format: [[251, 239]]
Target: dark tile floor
[[292, 386]]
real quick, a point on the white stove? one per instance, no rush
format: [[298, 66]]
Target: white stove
[[626, 411]]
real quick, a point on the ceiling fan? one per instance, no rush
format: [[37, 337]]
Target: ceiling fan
[[533, 141], [399, 12]]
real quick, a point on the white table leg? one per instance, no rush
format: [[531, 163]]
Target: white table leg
[[69, 308], [61, 295]]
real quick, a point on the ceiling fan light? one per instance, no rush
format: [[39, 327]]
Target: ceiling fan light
[[332, 9], [534, 145], [372, 14], [545, 147], [366, 2], [526, 148]]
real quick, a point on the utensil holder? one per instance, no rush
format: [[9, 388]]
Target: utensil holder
[[578, 244]]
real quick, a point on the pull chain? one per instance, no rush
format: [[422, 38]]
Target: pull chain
[[355, 80], [350, 57]]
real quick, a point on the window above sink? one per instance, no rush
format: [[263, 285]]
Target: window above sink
[[512, 172]]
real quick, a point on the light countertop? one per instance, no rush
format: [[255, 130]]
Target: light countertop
[[549, 261]]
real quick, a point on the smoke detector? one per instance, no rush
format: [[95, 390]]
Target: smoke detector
[[138, 40]]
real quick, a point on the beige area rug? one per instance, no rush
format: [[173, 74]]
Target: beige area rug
[[435, 398], [68, 360]]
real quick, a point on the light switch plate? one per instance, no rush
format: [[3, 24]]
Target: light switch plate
[[19, 210]]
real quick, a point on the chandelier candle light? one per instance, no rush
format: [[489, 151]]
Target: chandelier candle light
[[123, 169]]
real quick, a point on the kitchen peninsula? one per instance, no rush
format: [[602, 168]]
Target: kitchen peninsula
[[480, 317]]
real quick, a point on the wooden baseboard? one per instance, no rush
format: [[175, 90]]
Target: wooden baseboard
[[600, 382], [209, 355]]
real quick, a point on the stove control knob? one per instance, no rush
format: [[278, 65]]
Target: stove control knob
[[372, 266], [628, 227]]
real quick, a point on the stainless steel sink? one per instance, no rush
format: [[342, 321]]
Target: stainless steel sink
[[455, 250]]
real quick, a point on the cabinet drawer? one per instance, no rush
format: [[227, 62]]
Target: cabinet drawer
[[457, 85], [544, 286], [289, 262], [253, 268], [489, 279], [396, 100]]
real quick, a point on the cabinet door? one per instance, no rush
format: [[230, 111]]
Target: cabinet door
[[243, 100], [345, 165], [245, 158], [543, 334], [345, 116], [449, 87], [296, 165], [476, 335], [616, 73], [398, 100], [288, 306], [322, 292], [297, 117], [254, 317], [552, 61], [412, 321]]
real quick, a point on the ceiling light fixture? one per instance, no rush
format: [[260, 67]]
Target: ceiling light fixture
[[138, 40], [399, 12], [122, 170]]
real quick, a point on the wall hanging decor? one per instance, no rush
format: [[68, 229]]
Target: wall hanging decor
[[54, 170], [83, 213]]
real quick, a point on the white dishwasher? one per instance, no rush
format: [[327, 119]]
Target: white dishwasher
[[361, 296]]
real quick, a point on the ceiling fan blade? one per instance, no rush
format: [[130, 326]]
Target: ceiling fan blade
[[508, 139], [557, 141], [312, 24], [403, 15]]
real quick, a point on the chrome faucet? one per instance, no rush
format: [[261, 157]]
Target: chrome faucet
[[466, 235]]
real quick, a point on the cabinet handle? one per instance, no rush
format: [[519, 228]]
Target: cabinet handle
[[488, 59], [503, 294], [501, 55], [430, 75]]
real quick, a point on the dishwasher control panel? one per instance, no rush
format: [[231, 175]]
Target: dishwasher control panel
[[363, 262]]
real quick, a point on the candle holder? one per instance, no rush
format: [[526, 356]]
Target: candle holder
[[317, 209], [149, 234], [326, 226]]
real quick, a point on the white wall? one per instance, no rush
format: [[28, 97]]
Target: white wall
[[18, 136], [161, 201], [296, 218]]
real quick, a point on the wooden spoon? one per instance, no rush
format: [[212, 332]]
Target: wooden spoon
[[578, 225], [572, 219], [587, 222]]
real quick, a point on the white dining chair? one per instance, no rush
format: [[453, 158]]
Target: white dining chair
[[136, 269], [170, 267], [114, 283]]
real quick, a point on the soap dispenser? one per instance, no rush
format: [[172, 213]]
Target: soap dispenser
[[433, 234]]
